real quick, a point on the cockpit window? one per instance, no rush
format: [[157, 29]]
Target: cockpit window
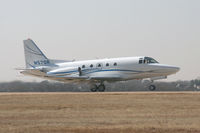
[[150, 60], [147, 60]]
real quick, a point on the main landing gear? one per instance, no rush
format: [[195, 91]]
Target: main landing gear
[[100, 88]]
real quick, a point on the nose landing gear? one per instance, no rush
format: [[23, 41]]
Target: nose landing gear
[[152, 87], [149, 85]]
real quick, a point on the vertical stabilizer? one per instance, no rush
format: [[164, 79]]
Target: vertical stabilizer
[[33, 55]]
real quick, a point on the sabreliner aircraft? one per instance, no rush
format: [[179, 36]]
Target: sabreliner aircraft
[[95, 72]]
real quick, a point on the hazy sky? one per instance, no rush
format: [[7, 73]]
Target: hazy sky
[[167, 30]]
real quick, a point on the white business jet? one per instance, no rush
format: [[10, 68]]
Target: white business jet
[[95, 72]]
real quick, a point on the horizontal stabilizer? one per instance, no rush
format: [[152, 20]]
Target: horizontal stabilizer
[[34, 72]]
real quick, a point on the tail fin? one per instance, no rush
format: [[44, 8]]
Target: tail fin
[[33, 55]]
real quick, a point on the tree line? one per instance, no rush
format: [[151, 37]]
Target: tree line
[[49, 86]]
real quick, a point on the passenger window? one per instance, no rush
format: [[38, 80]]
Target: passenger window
[[115, 64], [107, 64], [91, 65], [99, 65]]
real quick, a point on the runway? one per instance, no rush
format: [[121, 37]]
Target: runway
[[77, 112]]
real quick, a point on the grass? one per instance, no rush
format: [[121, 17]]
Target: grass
[[100, 112]]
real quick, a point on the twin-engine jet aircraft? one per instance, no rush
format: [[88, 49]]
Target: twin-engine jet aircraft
[[95, 72]]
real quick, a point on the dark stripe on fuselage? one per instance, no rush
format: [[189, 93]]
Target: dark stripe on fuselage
[[89, 71]]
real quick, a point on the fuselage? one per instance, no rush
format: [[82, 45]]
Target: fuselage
[[125, 68]]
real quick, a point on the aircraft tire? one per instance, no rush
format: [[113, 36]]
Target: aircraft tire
[[152, 87], [94, 88], [101, 88]]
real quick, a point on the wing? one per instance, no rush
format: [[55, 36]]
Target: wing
[[72, 77], [106, 78], [75, 79]]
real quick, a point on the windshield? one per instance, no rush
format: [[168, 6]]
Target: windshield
[[150, 60], [147, 60]]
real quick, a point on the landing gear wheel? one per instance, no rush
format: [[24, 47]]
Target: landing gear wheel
[[152, 87], [101, 88], [94, 88]]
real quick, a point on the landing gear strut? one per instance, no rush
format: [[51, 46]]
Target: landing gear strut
[[100, 88]]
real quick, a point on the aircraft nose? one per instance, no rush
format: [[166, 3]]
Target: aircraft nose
[[167, 69], [174, 69]]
